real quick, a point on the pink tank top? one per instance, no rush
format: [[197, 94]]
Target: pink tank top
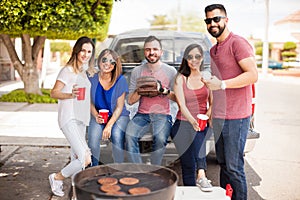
[[195, 100]]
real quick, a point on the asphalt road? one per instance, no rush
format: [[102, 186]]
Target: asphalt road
[[273, 167]]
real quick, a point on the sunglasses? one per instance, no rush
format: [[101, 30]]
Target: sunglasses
[[215, 19], [111, 61], [191, 57]]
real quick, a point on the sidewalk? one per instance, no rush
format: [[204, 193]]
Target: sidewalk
[[32, 147]]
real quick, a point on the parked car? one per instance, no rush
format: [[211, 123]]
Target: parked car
[[272, 64], [129, 46], [292, 64]]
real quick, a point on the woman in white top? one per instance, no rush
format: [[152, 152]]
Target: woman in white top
[[73, 113]]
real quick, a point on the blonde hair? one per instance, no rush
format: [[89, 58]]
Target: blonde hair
[[117, 71]]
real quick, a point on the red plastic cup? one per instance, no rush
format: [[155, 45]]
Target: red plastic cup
[[104, 114], [202, 121], [81, 94]]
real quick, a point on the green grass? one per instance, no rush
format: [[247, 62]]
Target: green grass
[[20, 96]]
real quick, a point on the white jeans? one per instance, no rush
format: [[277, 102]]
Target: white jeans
[[75, 132]]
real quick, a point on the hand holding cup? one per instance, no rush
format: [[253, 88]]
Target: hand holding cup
[[78, 92], [202, 121], [103, 113], [81, 93], [206, 75]]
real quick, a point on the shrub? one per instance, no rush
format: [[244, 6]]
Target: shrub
[[258, 51], [19, 95], [60, 47], [289, 46], [259, 48], [289, 54]]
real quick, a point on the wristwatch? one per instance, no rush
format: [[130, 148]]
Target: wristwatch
[[223, 85]]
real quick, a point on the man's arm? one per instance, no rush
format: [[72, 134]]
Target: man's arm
[[133, 97], [172, 96], [248, 77]]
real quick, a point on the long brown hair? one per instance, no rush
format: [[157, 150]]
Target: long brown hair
[[117, 71], [73, 61]]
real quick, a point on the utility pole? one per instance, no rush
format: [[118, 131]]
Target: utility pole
[[265, 54], [178, 16]]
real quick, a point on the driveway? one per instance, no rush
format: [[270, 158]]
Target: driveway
[[273, 167]]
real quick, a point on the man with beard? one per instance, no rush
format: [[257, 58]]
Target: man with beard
[[154, 111], [234, 71]]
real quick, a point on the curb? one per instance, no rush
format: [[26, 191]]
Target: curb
[[33, 141], [292, 72]]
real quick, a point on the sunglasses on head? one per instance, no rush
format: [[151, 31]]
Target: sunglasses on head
[[197, 57], [105, 60], [215, 19]]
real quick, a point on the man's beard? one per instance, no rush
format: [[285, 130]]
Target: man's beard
[[152, 61], [218, 33]]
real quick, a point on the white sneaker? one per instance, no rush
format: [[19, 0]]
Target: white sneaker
[[56, 185], [205, 185]]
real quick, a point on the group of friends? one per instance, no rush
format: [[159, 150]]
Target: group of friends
[[225, 98]]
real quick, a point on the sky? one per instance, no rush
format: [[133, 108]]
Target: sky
[[246, 17]]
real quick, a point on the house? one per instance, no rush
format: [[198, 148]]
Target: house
[[292, 24], [285, 30]]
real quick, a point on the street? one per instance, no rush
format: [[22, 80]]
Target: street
[[272, 168], [274, 164]]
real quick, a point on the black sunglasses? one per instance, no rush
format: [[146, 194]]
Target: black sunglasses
[[215, 19], [111, 61], [197, 57]]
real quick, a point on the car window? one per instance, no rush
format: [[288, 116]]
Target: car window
[[180, 45], [132, 52]]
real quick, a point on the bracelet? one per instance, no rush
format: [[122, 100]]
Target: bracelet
[[223, 85]]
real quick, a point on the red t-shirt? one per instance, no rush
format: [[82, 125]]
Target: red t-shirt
[[231, 103], [159, 104], [195, 100]]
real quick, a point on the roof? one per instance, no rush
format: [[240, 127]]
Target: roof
[[292, 18], [160, 33]]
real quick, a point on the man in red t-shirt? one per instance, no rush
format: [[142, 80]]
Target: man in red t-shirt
[[234, 69]]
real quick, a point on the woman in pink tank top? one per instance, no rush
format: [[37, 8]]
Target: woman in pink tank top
[[193, 98]]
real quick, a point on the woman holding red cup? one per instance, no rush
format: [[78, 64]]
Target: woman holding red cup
[[74, 110], [109, 116], [193, 98]]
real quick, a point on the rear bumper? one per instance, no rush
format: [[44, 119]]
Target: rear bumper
[[171, 153]]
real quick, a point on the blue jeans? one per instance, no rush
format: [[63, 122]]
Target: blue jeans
[[136, 129], [188, 143], [117, 138], [230, 137]]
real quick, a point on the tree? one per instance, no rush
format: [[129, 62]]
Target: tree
[[189, 22], [160, 22], [35, 20]]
